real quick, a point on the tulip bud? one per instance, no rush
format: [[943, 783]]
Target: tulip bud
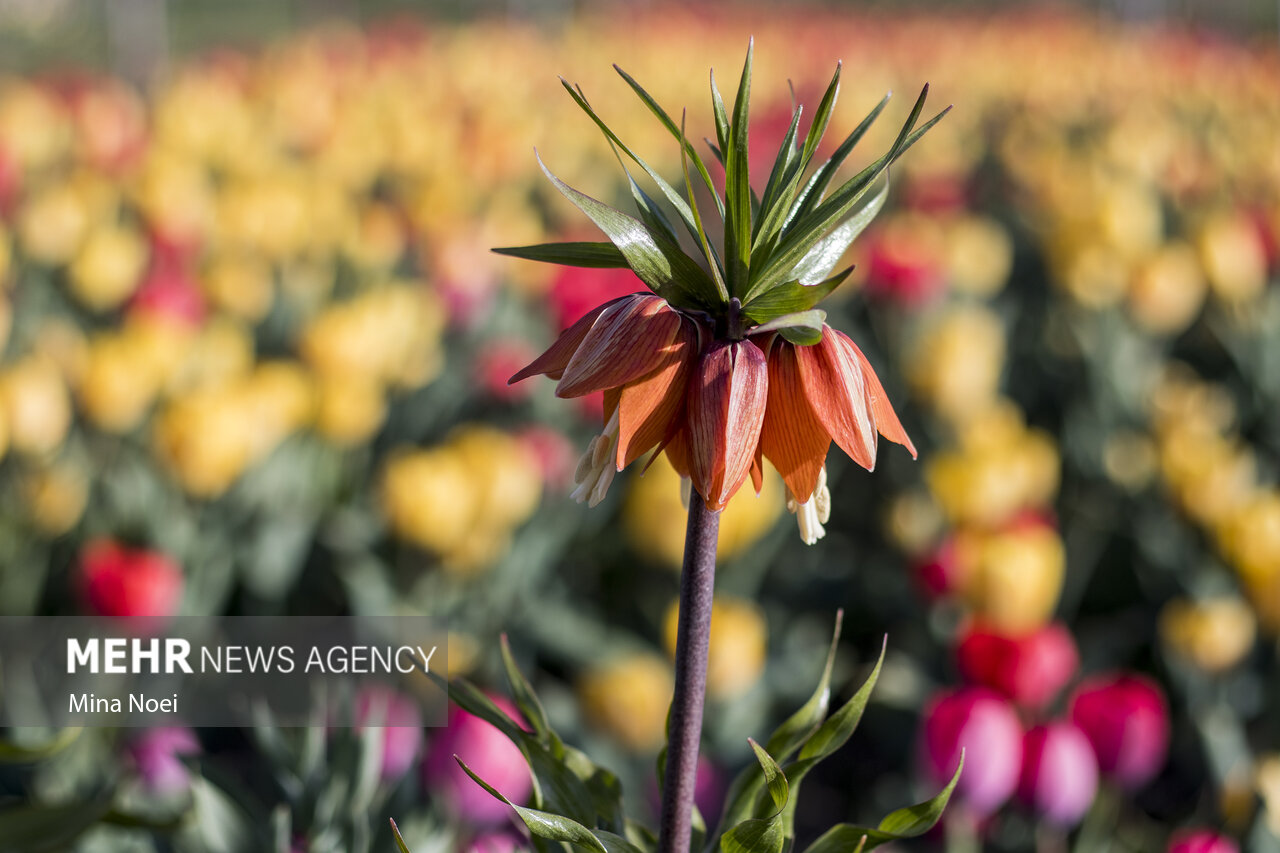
[[1029, 669], [489, 754], [1202, 841], [1126, 718], [156, 755], [629, 698], [737, 645], [983, 725], [1059, 773], [140, 588], [401, 724]]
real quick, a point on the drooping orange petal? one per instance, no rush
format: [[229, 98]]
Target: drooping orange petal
[[556, 358], [629, 340], [649, 406], [886, 419], [757, 471], [677, 450], [833, 384], [727, 397], [793, 438]]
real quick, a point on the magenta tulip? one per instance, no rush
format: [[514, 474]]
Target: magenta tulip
[[984, 725], [489, 754], [1059, 773], [1126, 718]]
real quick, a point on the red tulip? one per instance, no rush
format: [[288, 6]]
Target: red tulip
[[139, 587], [1059, 773], [1126, 719], [985, 727], [1031, 670]]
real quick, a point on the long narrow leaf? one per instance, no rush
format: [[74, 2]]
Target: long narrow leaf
[[712, 260], [594, 255], [791, 297], [779, 175], [737, 186], [721, 117], [821, 118], [674, 131], [668, 192], [817, 185], [543, 824], [526, 700], [664, 268], [808, 229]]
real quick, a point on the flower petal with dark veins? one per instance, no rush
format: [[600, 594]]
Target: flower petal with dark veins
[[886, 419], [727, 398], [834, 386], [629, 340], [793, 438]]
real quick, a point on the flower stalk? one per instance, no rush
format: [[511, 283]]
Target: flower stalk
[[693, 632]]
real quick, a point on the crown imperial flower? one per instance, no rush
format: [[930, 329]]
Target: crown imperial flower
[[727, 361]]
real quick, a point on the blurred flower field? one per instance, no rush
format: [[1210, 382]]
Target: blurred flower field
[[256, 351]]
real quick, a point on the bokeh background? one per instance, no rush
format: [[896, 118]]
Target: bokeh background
[[255, 352]]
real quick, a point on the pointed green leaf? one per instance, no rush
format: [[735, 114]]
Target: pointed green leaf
[[817, 184], [395, 831], [674, 131], [803, 328], [823, 256], [754, 836], [919, 819], [558, 788], [614, 843], [712, 261], [774, 780], [593, 255], [807, 230], [737, 186], [721, 116], [838, 728], [672, 197], [471, 699], [785, 740], [660, 265], [526, 700], [779, 176], [821, 118], [543, 824], [791, 297], [909, 822], [788, 737]]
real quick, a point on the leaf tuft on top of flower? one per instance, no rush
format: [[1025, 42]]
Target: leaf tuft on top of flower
[[776, 249]]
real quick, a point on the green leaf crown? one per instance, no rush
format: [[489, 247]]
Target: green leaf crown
[[779, 247]]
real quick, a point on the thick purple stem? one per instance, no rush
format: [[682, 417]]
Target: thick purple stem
[[697, 585]]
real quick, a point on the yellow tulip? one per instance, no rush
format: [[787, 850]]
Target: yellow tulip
[[737, 652], [628, 698]]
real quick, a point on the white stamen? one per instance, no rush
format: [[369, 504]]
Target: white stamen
[[597, 466], [686, 491], [814, 512]]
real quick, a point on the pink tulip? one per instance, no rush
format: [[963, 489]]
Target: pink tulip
[[156, 756], [401, 722], [137, 587], [489, 754], [1126, 718], [1059, 773], [984, 725], [1031, 670], [1202, 841]]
